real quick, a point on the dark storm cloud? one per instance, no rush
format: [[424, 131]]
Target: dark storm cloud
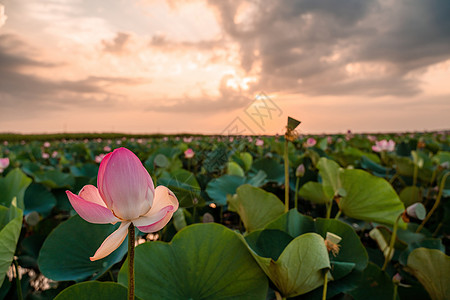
[[294, 40]]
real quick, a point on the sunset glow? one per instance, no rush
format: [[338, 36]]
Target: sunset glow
[[176, 66]]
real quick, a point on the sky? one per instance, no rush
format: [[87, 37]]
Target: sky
[[224, 67]]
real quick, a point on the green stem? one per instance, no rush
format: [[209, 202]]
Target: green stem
[[131, 262], [286, 175], [19, 286], [395, 291], [296, 192], [416, 171], [437, 229], [338, 214], [436, 204], [329, 206], [325, 285], [387, 259]]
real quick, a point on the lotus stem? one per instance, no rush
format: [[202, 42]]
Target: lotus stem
[[329, 206], [325, 285], [296, 192], [286, 175], [18, 285], [436, 204], [387, 259], [395, 291], [338, 214], [131, 262]]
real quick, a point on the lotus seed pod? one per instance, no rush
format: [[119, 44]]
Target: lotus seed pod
[[417, 210], [333, 238]]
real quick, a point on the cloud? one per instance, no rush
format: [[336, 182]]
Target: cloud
[[118, 44], [3, 17], [27, 92], [229, 99], [312, 47]]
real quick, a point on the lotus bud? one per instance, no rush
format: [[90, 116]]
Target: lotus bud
[[300, 171], [32, 218]]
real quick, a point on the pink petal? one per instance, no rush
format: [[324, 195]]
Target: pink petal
[[101, 171], [376, 149], [91, 211], [164, 205], [112, 242], [125, 184], [91, 194]]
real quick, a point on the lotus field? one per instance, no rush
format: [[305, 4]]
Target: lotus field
[[349, 216]]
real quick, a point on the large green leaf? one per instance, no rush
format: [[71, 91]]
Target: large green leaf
[[94, 290], [184, 184], [352, 254], [301, 266], [369, 198], [13, 185], [313, 191], [234, 169], [274, 170], [10, 226], [219, 188], [66, 251], [329, 171], [431, 268], [54, 179], [203, 261], [410, 195], [255, 206], [374, 284], [38, 198]]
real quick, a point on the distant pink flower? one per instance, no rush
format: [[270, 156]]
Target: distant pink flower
[[329, 140], [189, 153], [45, 155], [5, 143], [118, 142], [54, 154], [98, 158], [250, 139], [187, 140], [259, 142], [140, 141], [384, 145], [125, 194], [46, 144], [107, 149], [372, 138], [4, 163], [165, 139], [310, 142]]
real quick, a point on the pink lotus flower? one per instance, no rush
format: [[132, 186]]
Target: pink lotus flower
[[189, 153], [46, 144], [310, 142], [99, 158], [45, 155], [125, 194], [384, 145], [107, 148], [259, 142], [4, 163]]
